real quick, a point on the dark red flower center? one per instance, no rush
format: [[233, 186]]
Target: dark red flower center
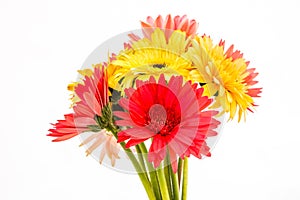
[[161, 120]]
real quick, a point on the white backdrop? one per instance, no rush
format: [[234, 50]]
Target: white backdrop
[[43, 43]]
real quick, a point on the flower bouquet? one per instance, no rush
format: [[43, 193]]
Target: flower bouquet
[[156, 101]]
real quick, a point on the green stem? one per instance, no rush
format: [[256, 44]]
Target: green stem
[[153, 176], [185, 178], [140, 157], [163, 184], [142, 175], [174, 179], [179, 171], [167, 175]]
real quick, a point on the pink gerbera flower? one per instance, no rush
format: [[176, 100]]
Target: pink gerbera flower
[[110, 147], [170, 24], [171, 115], [167, 25], [92, 113]]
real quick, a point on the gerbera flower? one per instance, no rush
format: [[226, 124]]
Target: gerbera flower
[[88, 72], [71, 86], [110, 147], [66, 129], [92, 114], [249, 80], [171, 115], [225, 76], [205, 57], [152, 57], [170, 24]]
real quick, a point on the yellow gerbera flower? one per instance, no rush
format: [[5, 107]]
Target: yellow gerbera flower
[[205, 63], [224, 77], [152, 57]]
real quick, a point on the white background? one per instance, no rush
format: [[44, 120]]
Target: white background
[[43, 43]]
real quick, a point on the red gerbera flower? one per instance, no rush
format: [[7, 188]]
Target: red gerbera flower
[[171, 114], [93, 97], [92, 113], [65, 129]]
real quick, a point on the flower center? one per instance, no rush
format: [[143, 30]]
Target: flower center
[[157, 117], [159, 66], [161, 120]]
